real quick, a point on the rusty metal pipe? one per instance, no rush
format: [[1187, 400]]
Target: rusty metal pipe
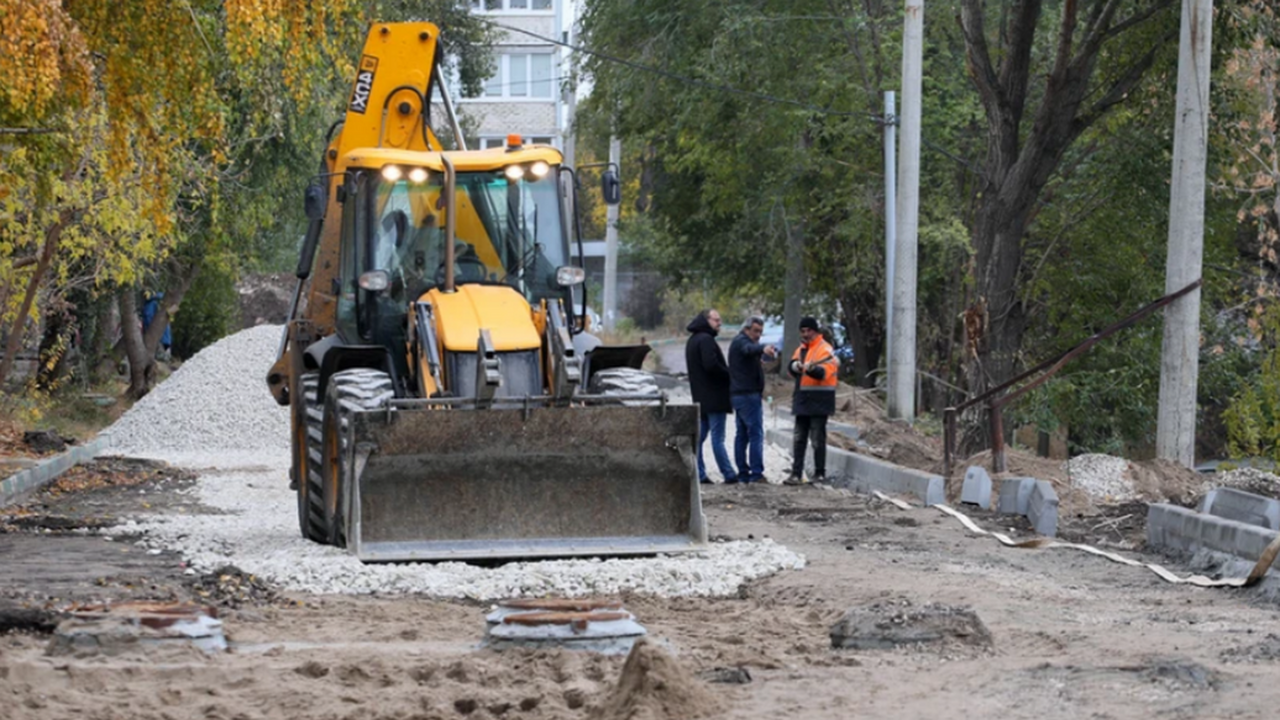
[[997, 438], [948, 439]]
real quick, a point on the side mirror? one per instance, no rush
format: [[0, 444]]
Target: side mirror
[[315, 202], [611, 187]]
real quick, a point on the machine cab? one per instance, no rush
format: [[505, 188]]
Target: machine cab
[[508, 227]]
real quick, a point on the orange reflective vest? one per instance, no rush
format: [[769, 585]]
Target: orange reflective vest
[[818, 352]]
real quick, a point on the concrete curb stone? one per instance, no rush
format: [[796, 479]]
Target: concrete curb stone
[[864, 474], [977, 487], [26, 481], [1042, 509], [1015, 493], [1185, 530], [1242, 506]]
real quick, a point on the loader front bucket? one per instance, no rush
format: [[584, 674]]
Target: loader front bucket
[[468, 484]]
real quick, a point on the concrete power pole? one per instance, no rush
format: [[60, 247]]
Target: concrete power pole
[[890, 217], [611, 248], [902, 328], [1180, 352]]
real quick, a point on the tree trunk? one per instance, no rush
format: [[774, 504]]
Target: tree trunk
[[142, 363], [1021, 160], [993, 349], [184, 275], [17, 331], [140, 347], [795, 287]]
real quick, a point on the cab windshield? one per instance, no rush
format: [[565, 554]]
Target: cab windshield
[[506, 231]]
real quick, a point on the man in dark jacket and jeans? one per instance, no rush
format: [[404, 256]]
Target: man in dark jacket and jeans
[[746, 390], [709, 381]]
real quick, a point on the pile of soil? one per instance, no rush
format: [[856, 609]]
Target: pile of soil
[[265, 299], [654, 685]]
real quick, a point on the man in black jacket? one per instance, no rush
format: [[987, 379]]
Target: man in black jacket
[[709, 381], [746, 390]]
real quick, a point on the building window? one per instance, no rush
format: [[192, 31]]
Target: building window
[[500, 5], [487, 143], [521, 75]]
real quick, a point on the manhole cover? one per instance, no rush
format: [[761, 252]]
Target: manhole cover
[[595, 624]]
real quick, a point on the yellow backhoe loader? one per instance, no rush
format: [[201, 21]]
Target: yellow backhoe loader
[[447, 402]]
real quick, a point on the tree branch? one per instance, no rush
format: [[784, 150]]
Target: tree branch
[[1125, 84], [1137, 19], [1015, 68], [977, 53]]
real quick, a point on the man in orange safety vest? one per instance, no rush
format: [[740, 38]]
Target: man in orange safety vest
[[816, 369]]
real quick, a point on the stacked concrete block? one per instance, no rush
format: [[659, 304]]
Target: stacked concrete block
[[1185, 530], [1042, 509], [1242, 506], [977, 487]]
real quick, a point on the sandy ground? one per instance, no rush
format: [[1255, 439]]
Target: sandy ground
[[1072, 635]]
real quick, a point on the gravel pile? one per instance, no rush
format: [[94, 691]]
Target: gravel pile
[[1103, 477], [1249, 479], [216, 400], [215, 415]]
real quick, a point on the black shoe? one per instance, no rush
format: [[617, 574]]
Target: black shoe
[[732, 481], [704, 481], [795, 479], [820, 478]]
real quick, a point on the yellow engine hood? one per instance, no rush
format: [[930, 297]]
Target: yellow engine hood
[[501, 310]]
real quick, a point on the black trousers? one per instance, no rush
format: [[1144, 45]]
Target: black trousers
[[810, 429]]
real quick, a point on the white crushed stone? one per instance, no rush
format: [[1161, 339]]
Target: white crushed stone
[[216, 400], [1103, 477], [215, 415], [1248, 478]]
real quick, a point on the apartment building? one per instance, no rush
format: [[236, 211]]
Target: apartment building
[[524, 96]]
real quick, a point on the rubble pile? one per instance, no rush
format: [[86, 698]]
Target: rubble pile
[[1103, 478]]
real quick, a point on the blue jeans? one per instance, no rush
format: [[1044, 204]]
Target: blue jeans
[[749, 411], [713, 424]]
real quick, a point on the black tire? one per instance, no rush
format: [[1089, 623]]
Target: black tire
[[306, 457], [624, 381], [349, 391]]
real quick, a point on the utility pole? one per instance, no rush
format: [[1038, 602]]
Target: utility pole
[[890, 217], [1180, 350], [611, 247], [902, 328]]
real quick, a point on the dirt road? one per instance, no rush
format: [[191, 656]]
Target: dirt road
[[1072, 635]]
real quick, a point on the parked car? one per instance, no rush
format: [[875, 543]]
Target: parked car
[[773, 330]]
